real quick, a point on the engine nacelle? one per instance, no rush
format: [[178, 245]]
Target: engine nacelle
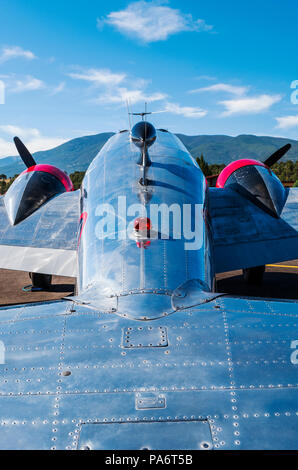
[[255, 181], [33, 188]]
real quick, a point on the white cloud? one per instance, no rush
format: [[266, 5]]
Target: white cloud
[[22, 132], [241, 104], [34, 140], [58, 89], [7, 149], [29, 84], [186, 111], [14, 52], [150, 21], [249, 105], [99, 76], [117, 88], [122, 95], [225, 87], [44, 143], [287, 121]]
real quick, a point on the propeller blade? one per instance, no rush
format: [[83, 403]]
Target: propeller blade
[[277, 155], [24, 153]]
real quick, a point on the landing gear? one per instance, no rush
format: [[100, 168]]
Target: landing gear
[[41, 281], [254, 275]]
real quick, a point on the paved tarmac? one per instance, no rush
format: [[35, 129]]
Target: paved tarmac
[[13, 282], [280, 281]]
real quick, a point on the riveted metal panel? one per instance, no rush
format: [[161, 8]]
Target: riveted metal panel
[[153, 435], [148, 401], [71, 366], [261, 343], [267, 418], [145, 337], [27, 422], [144, 306], [191, 357], [54, 225]]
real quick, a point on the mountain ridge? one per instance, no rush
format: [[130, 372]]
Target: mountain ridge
[[76, 154]]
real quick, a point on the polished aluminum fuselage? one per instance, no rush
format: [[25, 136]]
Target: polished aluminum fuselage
[[114, 265], [82, 373]]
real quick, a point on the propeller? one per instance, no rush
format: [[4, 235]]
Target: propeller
[[277, 155], [24, 153]]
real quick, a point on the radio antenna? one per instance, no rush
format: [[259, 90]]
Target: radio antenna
[[140, 114], [143, 115], [128, 113]]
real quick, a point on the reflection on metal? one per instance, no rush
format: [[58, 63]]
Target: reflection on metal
[[192, 293], [46, 241], [147, 401], [146, 355], [143, 134], [32, 189], [145, 337], [245, 235], [108, 266], [156, 435], [217, 359], [259, 185], [97, 299], [39, 260]]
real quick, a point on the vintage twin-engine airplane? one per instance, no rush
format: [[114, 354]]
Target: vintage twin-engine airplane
[[147, 355]]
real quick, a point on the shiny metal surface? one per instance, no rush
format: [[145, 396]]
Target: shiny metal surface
[[147, 355], [245, 236], [30, 191], [39, 260], [46, 241], [143, 134], [260, 185], [225, 377], [117, 266], [53, 226]]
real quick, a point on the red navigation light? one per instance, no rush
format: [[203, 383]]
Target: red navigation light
[[143, 244], [142, 227], [142, 224]]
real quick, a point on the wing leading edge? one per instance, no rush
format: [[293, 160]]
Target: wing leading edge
[[246, 236], [46, 241]]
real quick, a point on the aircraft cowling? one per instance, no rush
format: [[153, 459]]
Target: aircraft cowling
[[33, 188], [255, 181]]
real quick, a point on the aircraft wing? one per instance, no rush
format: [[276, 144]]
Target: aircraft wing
[[223, 375], [246, 236], [46, 241]]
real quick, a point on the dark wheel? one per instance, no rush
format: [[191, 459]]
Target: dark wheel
[[254, 275], [42, 281]]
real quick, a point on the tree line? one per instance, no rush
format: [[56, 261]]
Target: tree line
[[287, 172], [5, 183]]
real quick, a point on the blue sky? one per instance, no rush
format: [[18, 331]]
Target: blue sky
[[216, 67]]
